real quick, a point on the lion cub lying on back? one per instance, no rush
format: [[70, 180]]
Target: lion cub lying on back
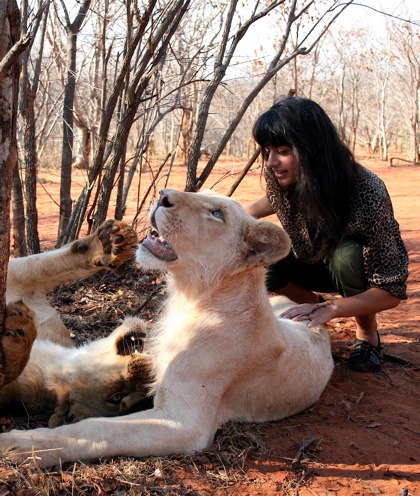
[[221, 353], [49, 376]]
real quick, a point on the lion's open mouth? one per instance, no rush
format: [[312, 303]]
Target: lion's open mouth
[[132, 342], [159, 247]]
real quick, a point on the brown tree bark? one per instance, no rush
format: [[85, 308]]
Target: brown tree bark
[[18, 209], [72, 29], [9, 88], [28, 91]]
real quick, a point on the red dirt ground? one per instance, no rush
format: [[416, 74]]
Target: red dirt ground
[[366, 426]]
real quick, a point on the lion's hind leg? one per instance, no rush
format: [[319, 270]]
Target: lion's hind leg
[[17, 339]]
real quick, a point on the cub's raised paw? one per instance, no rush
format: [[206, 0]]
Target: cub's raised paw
[[17, 339], [111, 244], [140, 369]]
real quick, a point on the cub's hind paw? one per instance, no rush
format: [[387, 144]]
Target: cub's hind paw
[[115, 242], [140, 368], [17, 339]]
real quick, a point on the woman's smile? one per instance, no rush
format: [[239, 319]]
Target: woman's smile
[[282, 160]]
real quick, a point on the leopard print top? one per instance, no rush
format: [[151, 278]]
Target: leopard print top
[[371, 219]]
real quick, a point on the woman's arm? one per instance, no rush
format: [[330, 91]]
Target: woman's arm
[[372, 301], [260, 208]]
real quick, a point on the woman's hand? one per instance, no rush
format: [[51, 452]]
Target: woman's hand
[[318, 313]]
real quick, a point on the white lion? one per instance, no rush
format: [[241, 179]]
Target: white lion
[[221, 352]]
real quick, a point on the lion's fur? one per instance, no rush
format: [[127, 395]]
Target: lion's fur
[[221, 353], [48, 375]]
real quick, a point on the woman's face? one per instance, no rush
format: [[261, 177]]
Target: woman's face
[[282, 161]]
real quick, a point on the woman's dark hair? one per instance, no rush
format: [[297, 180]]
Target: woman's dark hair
[[325, 166]]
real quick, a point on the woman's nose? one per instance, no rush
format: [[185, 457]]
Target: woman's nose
[[270, 160]]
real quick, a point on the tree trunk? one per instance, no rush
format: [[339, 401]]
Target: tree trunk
[[119, 206], [31, 165], [415, 123], [18, 207], [9, 88], [68, 120], [81, 159], [28, 93], [67, 149]]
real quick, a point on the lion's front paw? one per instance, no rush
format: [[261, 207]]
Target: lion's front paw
[[115, 242], [24, 446], [17, 339]]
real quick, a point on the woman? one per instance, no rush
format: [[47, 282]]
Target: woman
[[340, 219]]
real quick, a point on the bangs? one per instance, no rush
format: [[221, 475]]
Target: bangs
[[267, 131]]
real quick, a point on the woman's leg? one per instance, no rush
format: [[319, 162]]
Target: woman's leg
[[298, 280], [345, 264]]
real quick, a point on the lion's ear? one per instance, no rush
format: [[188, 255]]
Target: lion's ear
[[266, 243]]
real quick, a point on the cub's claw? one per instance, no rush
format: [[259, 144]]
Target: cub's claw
[[115, 242], [17, 339]]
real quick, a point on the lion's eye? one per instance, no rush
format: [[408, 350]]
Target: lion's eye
[[217, 213], [116, 398]]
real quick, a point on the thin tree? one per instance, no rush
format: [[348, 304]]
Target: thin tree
[[72, 30], [156, 50], [80, 208], [28, 92], [10, 48]]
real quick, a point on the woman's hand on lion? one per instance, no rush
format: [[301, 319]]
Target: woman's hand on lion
[[316, 314]]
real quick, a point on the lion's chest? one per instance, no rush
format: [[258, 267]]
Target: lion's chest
[[186, 338]]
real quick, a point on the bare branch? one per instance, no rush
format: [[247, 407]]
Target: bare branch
[[13, 55]]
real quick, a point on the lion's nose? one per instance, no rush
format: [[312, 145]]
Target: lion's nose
[[164, 200]]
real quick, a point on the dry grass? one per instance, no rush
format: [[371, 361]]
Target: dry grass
[[204, 473]]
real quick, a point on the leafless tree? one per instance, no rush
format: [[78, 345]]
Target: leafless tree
[[406, 41], [72, 30], [10, 48], [302, 46], [159, 81], [28, 91]]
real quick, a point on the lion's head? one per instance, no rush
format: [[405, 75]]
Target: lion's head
[[194, 231], [108, 377]]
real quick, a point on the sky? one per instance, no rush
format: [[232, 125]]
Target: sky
[[368, 13], [371, 14]]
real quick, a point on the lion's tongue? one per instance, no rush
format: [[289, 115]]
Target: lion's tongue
[[159, 248]]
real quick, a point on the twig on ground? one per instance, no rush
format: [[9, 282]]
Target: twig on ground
[[147, 300], [395, 359], [301, 452]]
